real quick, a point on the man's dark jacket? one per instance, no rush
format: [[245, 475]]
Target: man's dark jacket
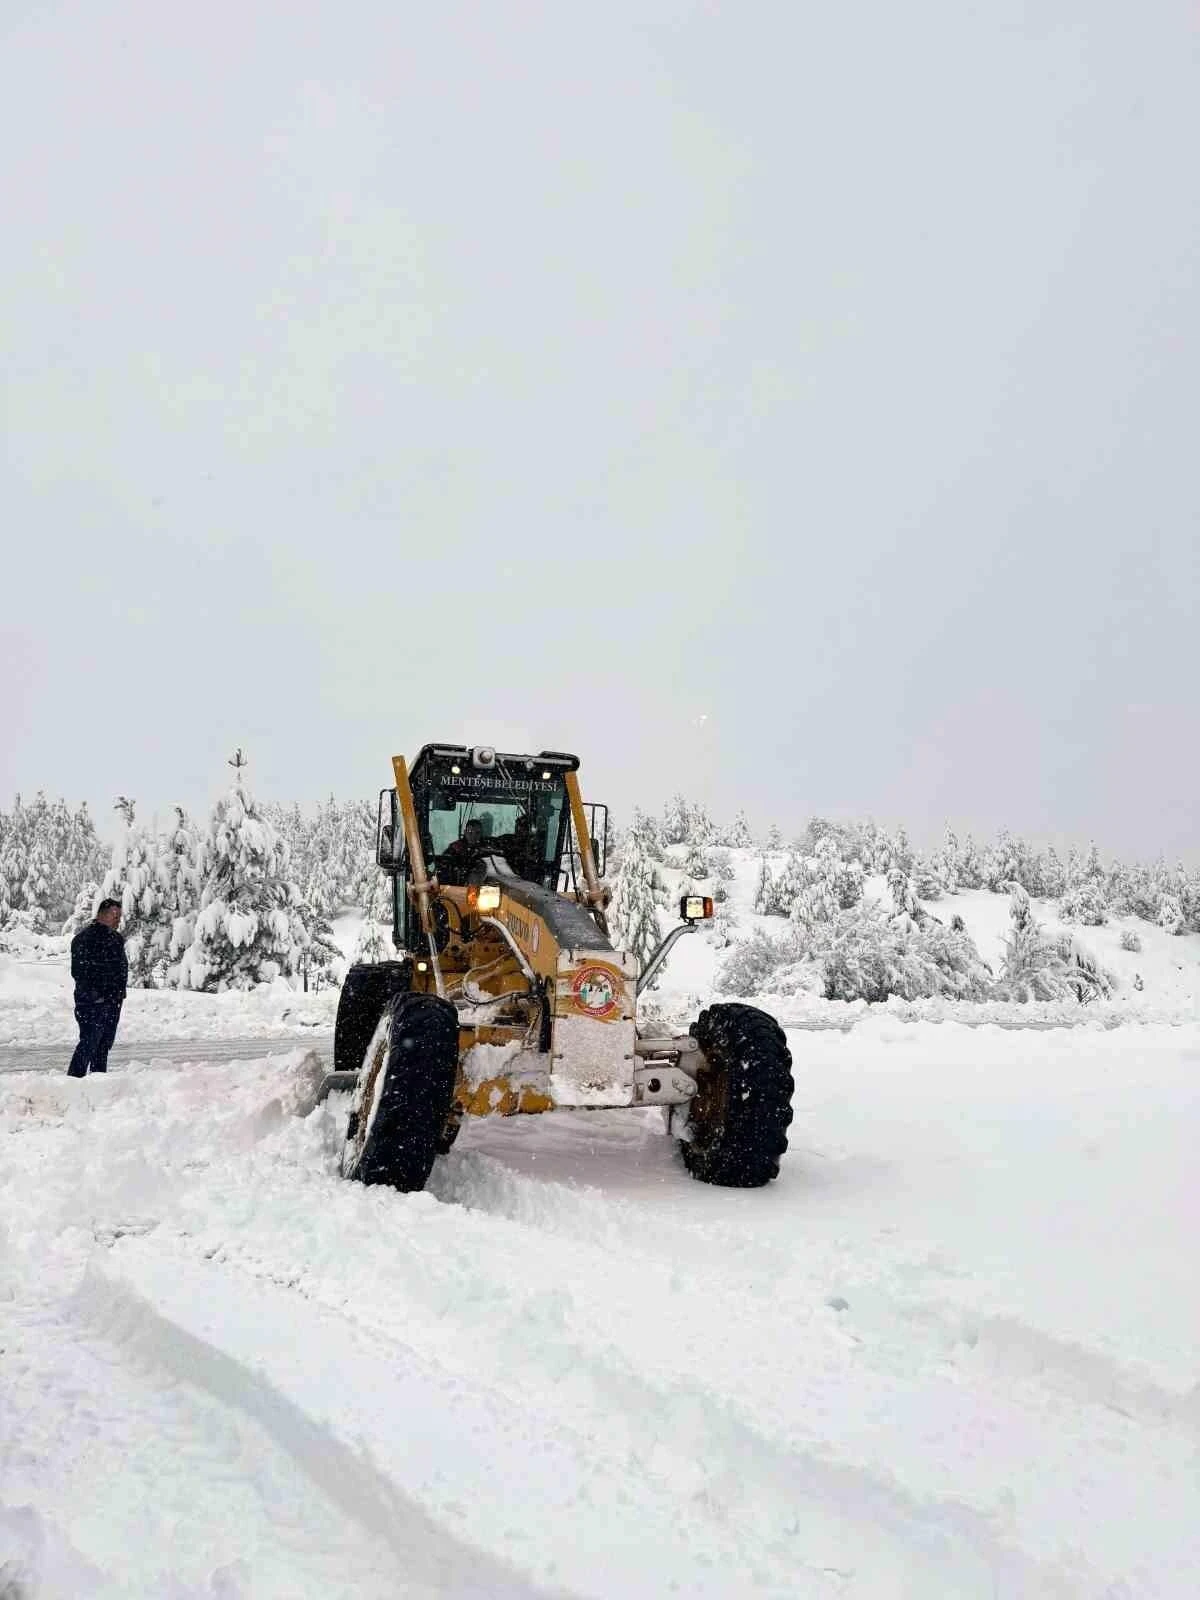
[[98, 963]]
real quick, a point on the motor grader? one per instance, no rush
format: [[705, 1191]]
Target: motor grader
[[507, 995]]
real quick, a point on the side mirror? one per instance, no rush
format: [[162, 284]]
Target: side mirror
[[695, 907], [598, 828], [389, 839]]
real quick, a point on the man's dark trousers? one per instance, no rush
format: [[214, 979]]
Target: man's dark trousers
[[97, 1021]]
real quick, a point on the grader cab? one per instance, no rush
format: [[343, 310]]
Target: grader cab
[[507, 994]]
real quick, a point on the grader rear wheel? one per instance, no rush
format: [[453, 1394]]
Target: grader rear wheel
[[736, 1128]]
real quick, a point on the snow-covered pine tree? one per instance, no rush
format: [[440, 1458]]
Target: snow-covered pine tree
[[83, 858], [900, 852], [1085, 902], [829, 882], [319, 961], [293, 829], [720, 871], [1031, 868], [338, 845], [762, 886], [46, 853], [738, 835], [1033, 967], [700, 827], [969, 871], [134, 878], [870, 847], [676, 820], [363, 869], [248, 929], [181, 868], [1054, 876], [907, 908], [945, 862], [633, 915], [1093, 867], [696, 863], [927, 877], [774, 839], [319, 870], [779, 889], [1189, 896], [374, 942], [723, 926], [1001, 864], [14, 858], [34, 891], [84, 909], [5, 892], [1170, 916]]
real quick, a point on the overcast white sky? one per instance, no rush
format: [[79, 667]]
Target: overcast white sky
[[796, 404]]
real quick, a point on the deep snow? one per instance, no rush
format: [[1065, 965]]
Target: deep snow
[[951, 1352]]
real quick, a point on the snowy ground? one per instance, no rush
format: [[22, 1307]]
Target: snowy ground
[[36, 1009], [951, 1352]]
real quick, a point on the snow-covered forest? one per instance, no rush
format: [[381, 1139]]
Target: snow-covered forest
[[845, 910], [851, 911]]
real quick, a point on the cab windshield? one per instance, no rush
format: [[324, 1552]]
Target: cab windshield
[[511, 816]]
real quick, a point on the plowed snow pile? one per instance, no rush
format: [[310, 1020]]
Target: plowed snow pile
[[952, 1352]]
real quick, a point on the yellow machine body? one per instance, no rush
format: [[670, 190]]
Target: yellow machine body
[[547, 1006]]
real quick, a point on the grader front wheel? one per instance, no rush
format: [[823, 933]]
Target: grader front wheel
[[737, 1124], [406, 1088], [367, 988]]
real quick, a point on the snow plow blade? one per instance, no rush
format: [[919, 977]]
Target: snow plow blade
[[336, 1083]]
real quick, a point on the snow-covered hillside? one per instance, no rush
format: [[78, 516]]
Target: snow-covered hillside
[[1160, 981], [950, 1353]]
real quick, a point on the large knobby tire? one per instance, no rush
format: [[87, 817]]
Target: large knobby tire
[[367, 988], [405, 1093], [737, 1123]]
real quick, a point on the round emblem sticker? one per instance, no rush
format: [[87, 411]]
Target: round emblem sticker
[[595, 991]]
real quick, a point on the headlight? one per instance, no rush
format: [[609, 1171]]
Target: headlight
[[695, 907], [489, 897]]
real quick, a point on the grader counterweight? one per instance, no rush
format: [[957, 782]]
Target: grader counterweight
[[508, 996]]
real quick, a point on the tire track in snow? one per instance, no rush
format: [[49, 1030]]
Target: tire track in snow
[[431, 1560], [123, 1482], [797, 1523], [1005, 1344], [1039, 1371], [750, 1495]]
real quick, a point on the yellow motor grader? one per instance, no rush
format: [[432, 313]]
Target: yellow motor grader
[[507, 994]]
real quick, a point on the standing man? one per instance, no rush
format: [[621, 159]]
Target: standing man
[[101, 972]]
